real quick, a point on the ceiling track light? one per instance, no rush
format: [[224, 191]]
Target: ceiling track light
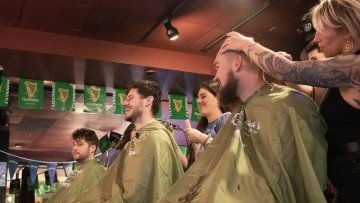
[[171, 31]]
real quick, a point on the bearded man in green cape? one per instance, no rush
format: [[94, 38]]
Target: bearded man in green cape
[[148, 165], [272, 149]]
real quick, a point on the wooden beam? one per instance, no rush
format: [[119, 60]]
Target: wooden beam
[[49, 43]]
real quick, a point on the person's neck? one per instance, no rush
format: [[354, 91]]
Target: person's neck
[[86, 160], [143, 120], [249, 87], [214, 116]]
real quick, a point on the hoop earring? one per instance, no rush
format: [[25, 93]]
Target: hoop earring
[[348, 47]]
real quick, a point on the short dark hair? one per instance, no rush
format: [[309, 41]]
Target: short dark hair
[[312, 45], [147, 88], [88, 135]]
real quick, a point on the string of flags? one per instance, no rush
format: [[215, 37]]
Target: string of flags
[[31, 96], [13, 161]]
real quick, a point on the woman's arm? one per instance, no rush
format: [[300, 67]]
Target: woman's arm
[[333, 72]]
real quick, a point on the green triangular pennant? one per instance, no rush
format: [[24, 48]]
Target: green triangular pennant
[[4, 91], [94, 99], [31, 94], [119, 97], [183, 149], [195, 114], [104, 144], [177, 106], [159, 113], [63, 96]]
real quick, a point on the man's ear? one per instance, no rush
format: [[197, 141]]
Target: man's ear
[[237, 63], [92, 149], [149, 100]]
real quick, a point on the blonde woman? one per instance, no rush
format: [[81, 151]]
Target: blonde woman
[[337, 24]]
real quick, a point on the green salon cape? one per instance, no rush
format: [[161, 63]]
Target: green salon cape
[[143, 172], [278, 155], [83, 177]]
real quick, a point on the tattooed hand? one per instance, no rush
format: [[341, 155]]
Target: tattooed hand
[[284, 54], [236, 42]]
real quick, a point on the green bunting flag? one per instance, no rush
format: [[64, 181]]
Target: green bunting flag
[[4, 91], [94, 99], [31, 94], [183, 149], [119, 97], [63, 96], [177, 106], [104, 144], [159, 112], [195, 114]]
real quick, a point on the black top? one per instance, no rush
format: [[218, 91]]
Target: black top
[[342, 119]]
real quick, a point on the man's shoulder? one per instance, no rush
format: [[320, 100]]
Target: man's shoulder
[[285, 93]]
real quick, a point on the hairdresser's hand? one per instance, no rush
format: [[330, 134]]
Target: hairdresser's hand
[[194, 136], [236, 42], [284, 54]]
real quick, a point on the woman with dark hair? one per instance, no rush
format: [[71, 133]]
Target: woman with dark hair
[[212, 118]]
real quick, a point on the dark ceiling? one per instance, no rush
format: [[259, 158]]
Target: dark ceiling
[[110, 42]]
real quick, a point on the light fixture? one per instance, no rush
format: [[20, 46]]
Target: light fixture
[[171, 31]]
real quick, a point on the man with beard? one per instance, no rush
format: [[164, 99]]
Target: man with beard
[[148, 164], [272, 148], [87, 171]]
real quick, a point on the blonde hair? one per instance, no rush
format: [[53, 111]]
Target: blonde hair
[[338, 14]]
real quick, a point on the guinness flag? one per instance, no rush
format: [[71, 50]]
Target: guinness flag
[[4, 91], [63, 96], [94, 99], [195, 114], [177, 106], [119, 97], [31, 94]]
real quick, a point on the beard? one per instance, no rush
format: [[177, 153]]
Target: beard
[[227, 94], [80, 157], [134, 115]]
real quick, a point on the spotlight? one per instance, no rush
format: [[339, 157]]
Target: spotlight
[[171, 31]]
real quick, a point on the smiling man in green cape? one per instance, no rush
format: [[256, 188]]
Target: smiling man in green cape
[[148, 165]]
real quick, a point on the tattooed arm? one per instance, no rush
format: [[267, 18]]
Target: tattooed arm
[[333, 72]]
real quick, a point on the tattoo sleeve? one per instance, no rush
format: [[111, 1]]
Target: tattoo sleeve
[[332, 72]]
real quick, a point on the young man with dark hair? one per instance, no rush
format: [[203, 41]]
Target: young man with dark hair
[[148, 164], [87, 171]]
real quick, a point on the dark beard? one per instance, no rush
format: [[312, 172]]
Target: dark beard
[[228, 91], [136, 114]]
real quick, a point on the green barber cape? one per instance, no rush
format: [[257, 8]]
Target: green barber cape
[[143, 172], [272, 149], [81, 179]]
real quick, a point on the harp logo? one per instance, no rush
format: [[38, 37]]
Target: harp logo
[[122, 98], [64, 94], [31, 88], [177, 104], [94, 93]]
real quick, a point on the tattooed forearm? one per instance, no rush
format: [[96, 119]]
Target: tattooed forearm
[[334, 72]]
